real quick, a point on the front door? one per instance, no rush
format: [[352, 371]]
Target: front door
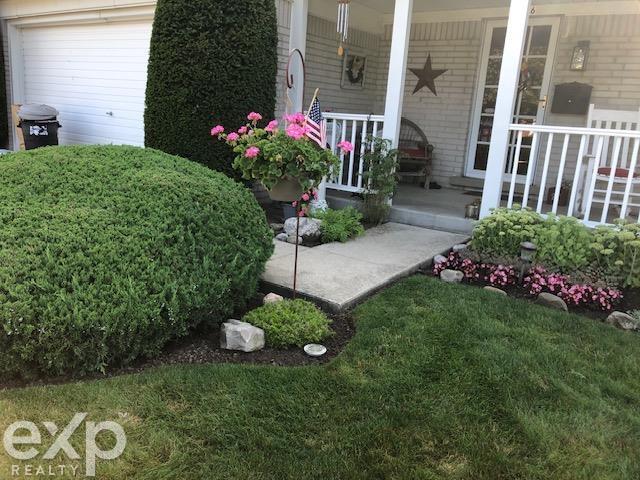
[[535, 76]]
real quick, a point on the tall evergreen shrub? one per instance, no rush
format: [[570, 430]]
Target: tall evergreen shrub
[[211, 62]]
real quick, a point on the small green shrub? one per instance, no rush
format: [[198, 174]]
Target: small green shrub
[[340, 225], [502, 232], [617, 251], [564, 243], [290, 323], [379, 178], [107, 253]]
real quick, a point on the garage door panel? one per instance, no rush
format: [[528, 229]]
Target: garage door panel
[[86, 71]]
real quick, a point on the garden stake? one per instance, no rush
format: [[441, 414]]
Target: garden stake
[[295, 262]]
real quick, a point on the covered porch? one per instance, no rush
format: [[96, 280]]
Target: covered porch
[[501, 133]]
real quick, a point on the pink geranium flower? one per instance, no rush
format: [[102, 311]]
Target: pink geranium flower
[[272, 127], [254, 117], [305, 197], [345, 146], [233, 137], [298, 118], [217, 130], [243, 130], [296, 131], [252, 152]]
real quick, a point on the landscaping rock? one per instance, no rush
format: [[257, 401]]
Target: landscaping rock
[[272, 298], [460, 247], [292, 239], [439, 259], [552, 301], [237, 335], [495, 290], [277, 227], [451, 276], [623, 321], [282, 237], [309, 229]]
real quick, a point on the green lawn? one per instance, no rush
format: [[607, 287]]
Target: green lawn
[[441, 381]]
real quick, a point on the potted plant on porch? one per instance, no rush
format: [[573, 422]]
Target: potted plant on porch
[[287, 162]]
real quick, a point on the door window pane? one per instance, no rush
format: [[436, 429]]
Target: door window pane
[[482, 155], [540, 40], [493, 71], [489, 100], [529, 102], [497, 41], [536, 71]]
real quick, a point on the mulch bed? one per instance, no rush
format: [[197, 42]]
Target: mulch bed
[[203, 347]]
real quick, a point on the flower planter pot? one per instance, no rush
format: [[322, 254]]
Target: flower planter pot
[[286, 190]]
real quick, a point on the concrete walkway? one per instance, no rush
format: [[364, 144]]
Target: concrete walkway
[[339, 275]]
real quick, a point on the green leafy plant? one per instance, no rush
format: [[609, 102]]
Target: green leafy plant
[[211, 61], [563, 243], [502, 232], [107, 253], [270, 154], [340, 225], [617, 251], [379, 178], [290, 323]]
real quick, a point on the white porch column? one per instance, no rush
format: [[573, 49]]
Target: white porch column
[[397, 70], [505, 104], [298, 39]]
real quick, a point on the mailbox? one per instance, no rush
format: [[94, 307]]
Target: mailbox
[[572, 98]]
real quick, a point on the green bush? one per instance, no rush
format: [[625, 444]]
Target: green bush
[[4, 102], [211, 62], [617, 251], [290, 323], [563, 243], [502, 232], [107, 253], [340, 225]]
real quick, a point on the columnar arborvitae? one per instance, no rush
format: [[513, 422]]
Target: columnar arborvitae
[[211, 62]]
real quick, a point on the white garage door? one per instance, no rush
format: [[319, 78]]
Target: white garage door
[[94, 74]]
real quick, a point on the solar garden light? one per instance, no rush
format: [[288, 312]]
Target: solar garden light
[[527, 254]]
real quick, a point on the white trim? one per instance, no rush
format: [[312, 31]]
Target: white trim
[[298, 40], [570, 9], [474, 124]]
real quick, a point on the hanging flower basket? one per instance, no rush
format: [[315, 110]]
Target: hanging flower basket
[[286, 190]]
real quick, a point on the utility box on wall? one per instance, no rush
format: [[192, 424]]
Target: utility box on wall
[[572, 98]]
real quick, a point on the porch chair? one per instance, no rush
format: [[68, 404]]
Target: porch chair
[[416, 153], [618, 120]]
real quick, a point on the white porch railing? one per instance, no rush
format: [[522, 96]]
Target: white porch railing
[[354, 128], [598, 164]]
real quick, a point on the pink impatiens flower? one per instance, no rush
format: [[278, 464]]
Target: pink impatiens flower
[[243, 130], [252, 152], [345, 146], [296, 131], [233, 137], [272, 127], [254, 117], [217, 130]]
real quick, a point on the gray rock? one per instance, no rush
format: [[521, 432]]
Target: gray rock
[[460, 247], [282, 237], [277, 227], [439, 259], [272, 298], [451, 276], [551, 301], [309, 229], [495, 290], [292, 239], [237, 335], [623, 321]]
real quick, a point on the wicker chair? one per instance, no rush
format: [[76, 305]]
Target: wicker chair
[[416, 153]]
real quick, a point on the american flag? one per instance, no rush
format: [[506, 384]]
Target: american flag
[[317, 125]]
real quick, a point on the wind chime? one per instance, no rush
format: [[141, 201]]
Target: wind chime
[[343, 24]]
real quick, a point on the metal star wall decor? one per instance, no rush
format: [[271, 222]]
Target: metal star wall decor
[[426, 77]]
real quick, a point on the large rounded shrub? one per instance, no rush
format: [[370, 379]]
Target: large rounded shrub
[[211, 62], [107, 253]]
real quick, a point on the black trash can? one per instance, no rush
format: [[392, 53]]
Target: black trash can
[[39, 125]]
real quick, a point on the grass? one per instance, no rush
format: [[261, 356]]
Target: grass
[[441, 382]]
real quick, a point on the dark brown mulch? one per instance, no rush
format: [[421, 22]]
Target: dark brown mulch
[[203, 347]]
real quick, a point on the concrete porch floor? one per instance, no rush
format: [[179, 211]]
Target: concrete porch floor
[[339, 275]]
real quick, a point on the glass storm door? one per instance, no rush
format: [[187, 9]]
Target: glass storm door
[[535, 75]]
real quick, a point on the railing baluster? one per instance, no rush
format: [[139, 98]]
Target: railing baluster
[[374, 133], [630, 177], [343, 138], [545, 171], [363, 144], [352, 155], [576, 176], [334, 135], [514, 173], [617, 145], [594, 174], [530, 169], [563, 159]]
